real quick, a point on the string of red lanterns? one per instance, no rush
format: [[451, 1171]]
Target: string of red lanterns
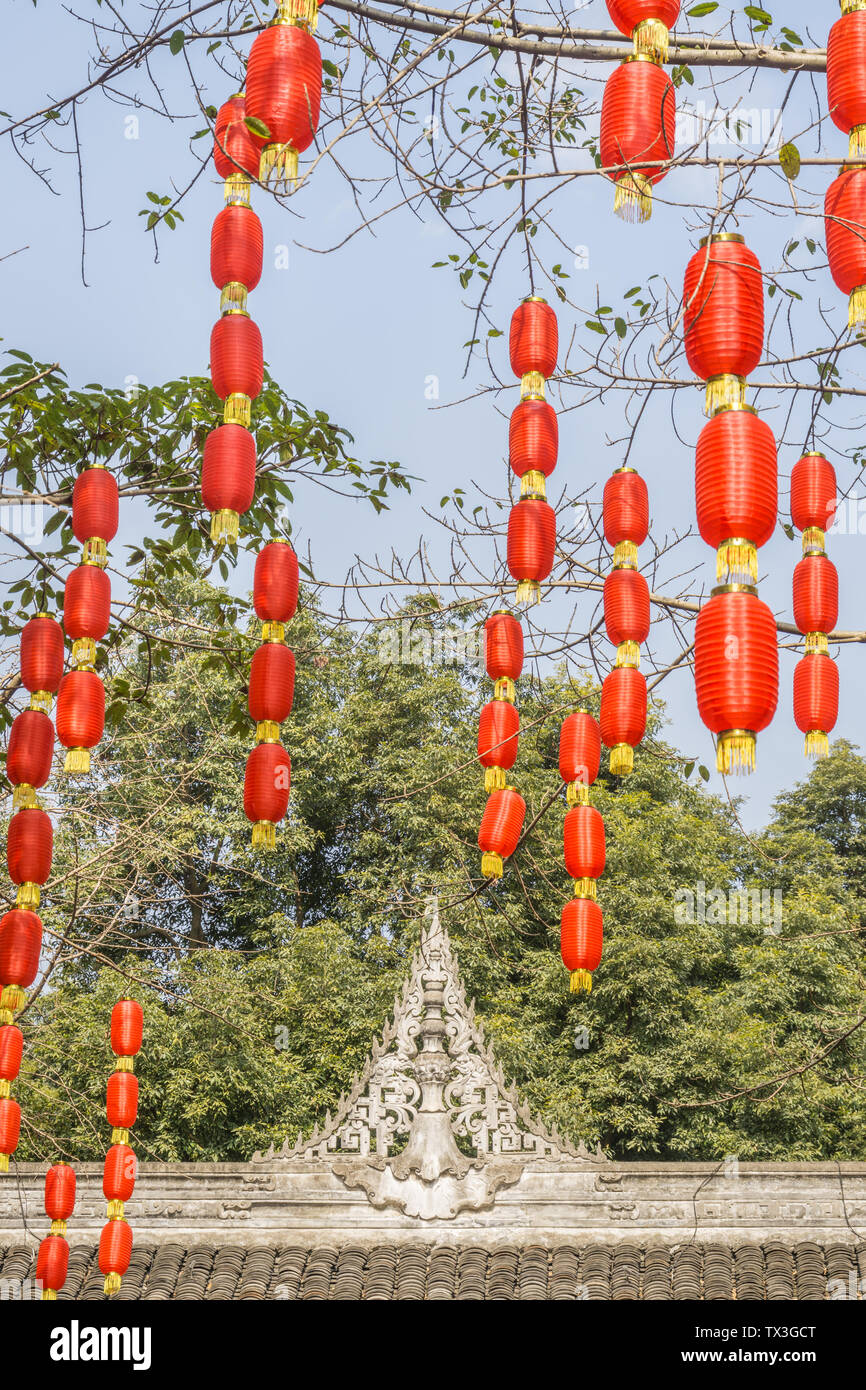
[[816, 603], [581, 927], [638, 108], [533, 445], [625, 516], [52, 1261], [736, 657], [845, 199], [120, 1168], [29, 850], [533, 439], [86, 616]]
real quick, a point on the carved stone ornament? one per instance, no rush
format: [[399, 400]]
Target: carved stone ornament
[[431, 1081]]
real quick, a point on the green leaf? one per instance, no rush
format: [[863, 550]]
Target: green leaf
[[257, 127], [789, 158], [698, 12], [176, 41]]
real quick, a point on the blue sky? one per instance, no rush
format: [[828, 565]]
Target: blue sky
[[360, 332]]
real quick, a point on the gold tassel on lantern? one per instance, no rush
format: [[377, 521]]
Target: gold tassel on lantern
[[233, 299], [652, 38], [77, 761], [84, 653], [625, 556], [224, 526], [628, 654], [95, 552], [238, 410], [236, 190], [41, 700], [724, 390], [633, 200], [533, 484], [622, 759], [278, 168], [304, 13], [857, 142], [816, 643], [24, 797], [735, 752], [267, 731], [580, 979], [28, 895], [504, 689], [737, 562], [495, 779], [491, 865], [585, 888], [528, 591], [264, 835], [532, 386], [817, 744], [577, 794], [814, 541], [857, 302]]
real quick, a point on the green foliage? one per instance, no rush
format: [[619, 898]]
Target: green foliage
[[265, 977]]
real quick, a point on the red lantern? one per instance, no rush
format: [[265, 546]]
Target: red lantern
[[533, 340], [584, 847], [236, 357], [646, 21], [623, 716], [531, 545], [503, 649], [52, 1264], [86, 610], [736, 674], [118, 1173], [236, 246], [723, 298], [59, 1192], [498, 728], [80, 717], [121, 1101], [95, 512], [10, 1129], [638, 123], [29, 847], [533, 441], [266, 791], [20, 945], [579, 752], [11, 1051], [127, 1024], [736, 487], [816, 594], [228, 479], [846, 75], [235, 152], [813, 494], [115, 1251], [816, 701], [284, 92], [272, 683], [500, 829], [625, 514], [41, 659], [29, 755], [275, 583], [845, 230], [626, 609], [581, 935]]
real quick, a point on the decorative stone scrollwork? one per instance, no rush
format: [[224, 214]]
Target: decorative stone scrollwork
[[431, 1079]]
